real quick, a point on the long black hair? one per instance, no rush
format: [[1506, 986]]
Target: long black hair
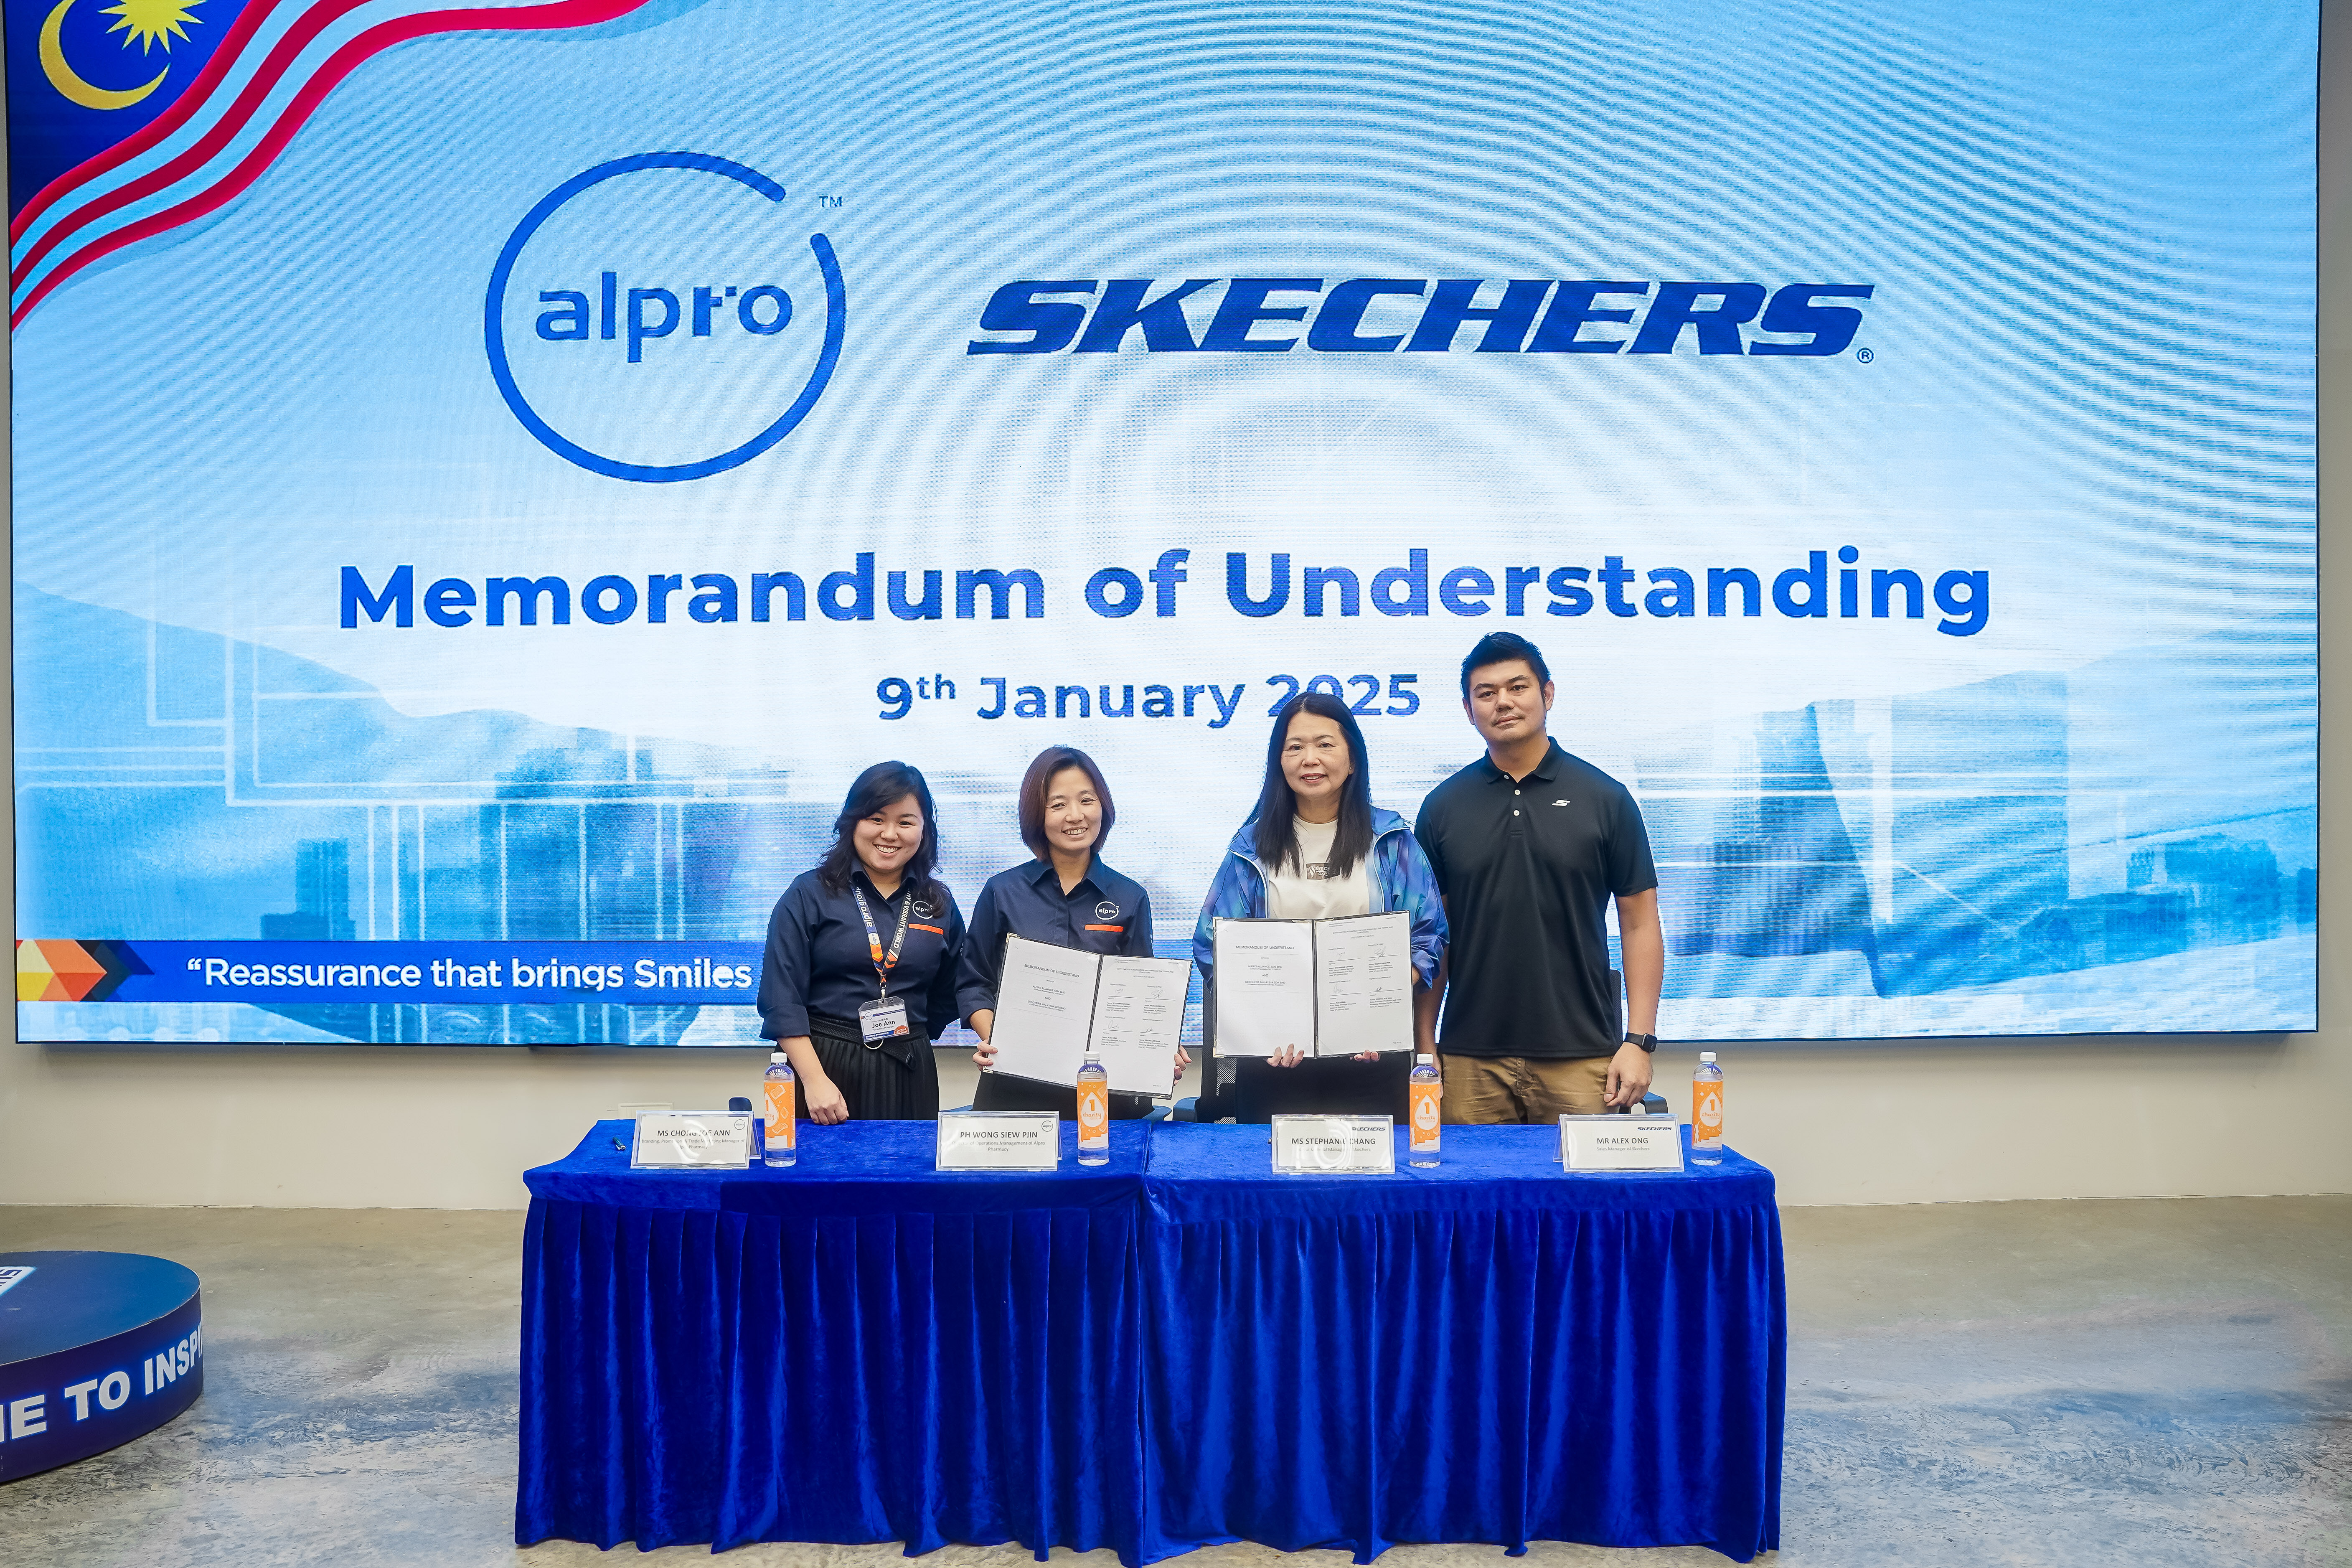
[[1277, 807], [878, 786]]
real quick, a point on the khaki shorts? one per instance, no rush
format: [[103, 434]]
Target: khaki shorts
[[1533, 1089]]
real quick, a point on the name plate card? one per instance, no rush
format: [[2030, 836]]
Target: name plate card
[[1000, 1141], [1334, 1145], [1621, 1142], [708, 1140]]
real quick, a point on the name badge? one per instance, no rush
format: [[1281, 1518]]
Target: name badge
[[710, 1139], [882, 1019], [1000, 1141], [1334, 1145], [1621, 1142]]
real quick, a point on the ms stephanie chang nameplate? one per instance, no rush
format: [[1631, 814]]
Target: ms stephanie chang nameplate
[[1334, 1145]]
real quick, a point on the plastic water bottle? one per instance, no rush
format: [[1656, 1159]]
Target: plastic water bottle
[[1094, 1112], [1426, 1087], [1706, 1113], [782, 1087]]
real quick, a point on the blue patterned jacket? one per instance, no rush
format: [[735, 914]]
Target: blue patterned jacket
[[1401, 879]]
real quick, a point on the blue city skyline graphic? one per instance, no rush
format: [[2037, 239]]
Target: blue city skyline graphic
[[1791, 860]]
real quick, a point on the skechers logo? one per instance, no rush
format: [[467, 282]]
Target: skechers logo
[[1417, 315]]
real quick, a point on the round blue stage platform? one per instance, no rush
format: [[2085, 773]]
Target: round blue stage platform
[[96, 1348]]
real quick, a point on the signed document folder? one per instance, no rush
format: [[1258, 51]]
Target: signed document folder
[[1330, 987], [1053, 1003]]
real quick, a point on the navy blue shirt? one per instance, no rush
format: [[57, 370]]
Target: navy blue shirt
[[818, 960], [1106, 912]]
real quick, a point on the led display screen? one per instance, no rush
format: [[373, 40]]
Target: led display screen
[[479, 496]]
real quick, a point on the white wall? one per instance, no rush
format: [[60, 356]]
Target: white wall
[[1848, 1124]]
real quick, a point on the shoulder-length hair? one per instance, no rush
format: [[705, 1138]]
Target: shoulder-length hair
[[1277, 807], [878, 786], [1034, 787]]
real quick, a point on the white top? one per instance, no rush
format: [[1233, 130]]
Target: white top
[[1301, 890]]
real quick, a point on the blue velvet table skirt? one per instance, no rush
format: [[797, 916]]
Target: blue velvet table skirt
[[851, 1350], [1173, 1349], [1488, 1351]]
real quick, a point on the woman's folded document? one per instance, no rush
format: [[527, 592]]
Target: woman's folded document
[[1331, 988], [1054, 1003]]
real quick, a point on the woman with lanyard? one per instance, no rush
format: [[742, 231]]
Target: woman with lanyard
[[1064, 895], [1317, 848], [861, 960]]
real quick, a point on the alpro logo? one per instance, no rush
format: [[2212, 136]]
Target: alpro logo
[[1418, 315], [659, 319]]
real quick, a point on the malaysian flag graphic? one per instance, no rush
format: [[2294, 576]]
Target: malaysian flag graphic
[[129, 120]]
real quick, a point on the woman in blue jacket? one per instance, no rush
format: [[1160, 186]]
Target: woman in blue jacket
[[1315, 849]]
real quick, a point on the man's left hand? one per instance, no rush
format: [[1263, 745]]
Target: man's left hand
[[1628, 1076]]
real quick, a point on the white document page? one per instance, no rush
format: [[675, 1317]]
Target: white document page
[[1363, 983], [1265, 986], [1140, 1021], [1044, 1009]]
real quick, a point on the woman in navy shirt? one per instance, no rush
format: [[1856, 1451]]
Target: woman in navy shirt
[[861, 963], [1064, 895]]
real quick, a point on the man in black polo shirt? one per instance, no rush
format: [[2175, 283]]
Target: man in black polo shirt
[[1530, 844]]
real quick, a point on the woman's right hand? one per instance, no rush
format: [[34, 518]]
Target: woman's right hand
[[1289, 1057], [983, 1024], [826, 1104]]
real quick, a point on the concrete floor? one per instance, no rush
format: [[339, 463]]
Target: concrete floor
[[2150, 1382]]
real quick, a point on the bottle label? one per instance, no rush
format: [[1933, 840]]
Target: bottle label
[[1707, 1111], [1424, 1115], [779, 1114], [1094, 1112]]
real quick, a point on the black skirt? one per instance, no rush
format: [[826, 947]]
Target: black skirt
[[892, 1080], [1002, 1091], [1337, 1086]]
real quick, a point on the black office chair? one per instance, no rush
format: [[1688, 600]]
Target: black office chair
[[1216, 1100]]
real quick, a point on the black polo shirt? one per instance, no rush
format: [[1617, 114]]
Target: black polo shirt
[[818, 960], [1104, 913], [1527, 868]]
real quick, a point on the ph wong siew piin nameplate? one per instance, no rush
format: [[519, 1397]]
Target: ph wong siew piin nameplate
[[1000, 1141]]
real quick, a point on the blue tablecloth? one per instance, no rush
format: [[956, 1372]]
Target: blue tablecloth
[[1173, 1349], [855, 1348], [1488, 1351]]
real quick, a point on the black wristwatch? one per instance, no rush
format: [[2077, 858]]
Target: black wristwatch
[[1647, 1042]]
